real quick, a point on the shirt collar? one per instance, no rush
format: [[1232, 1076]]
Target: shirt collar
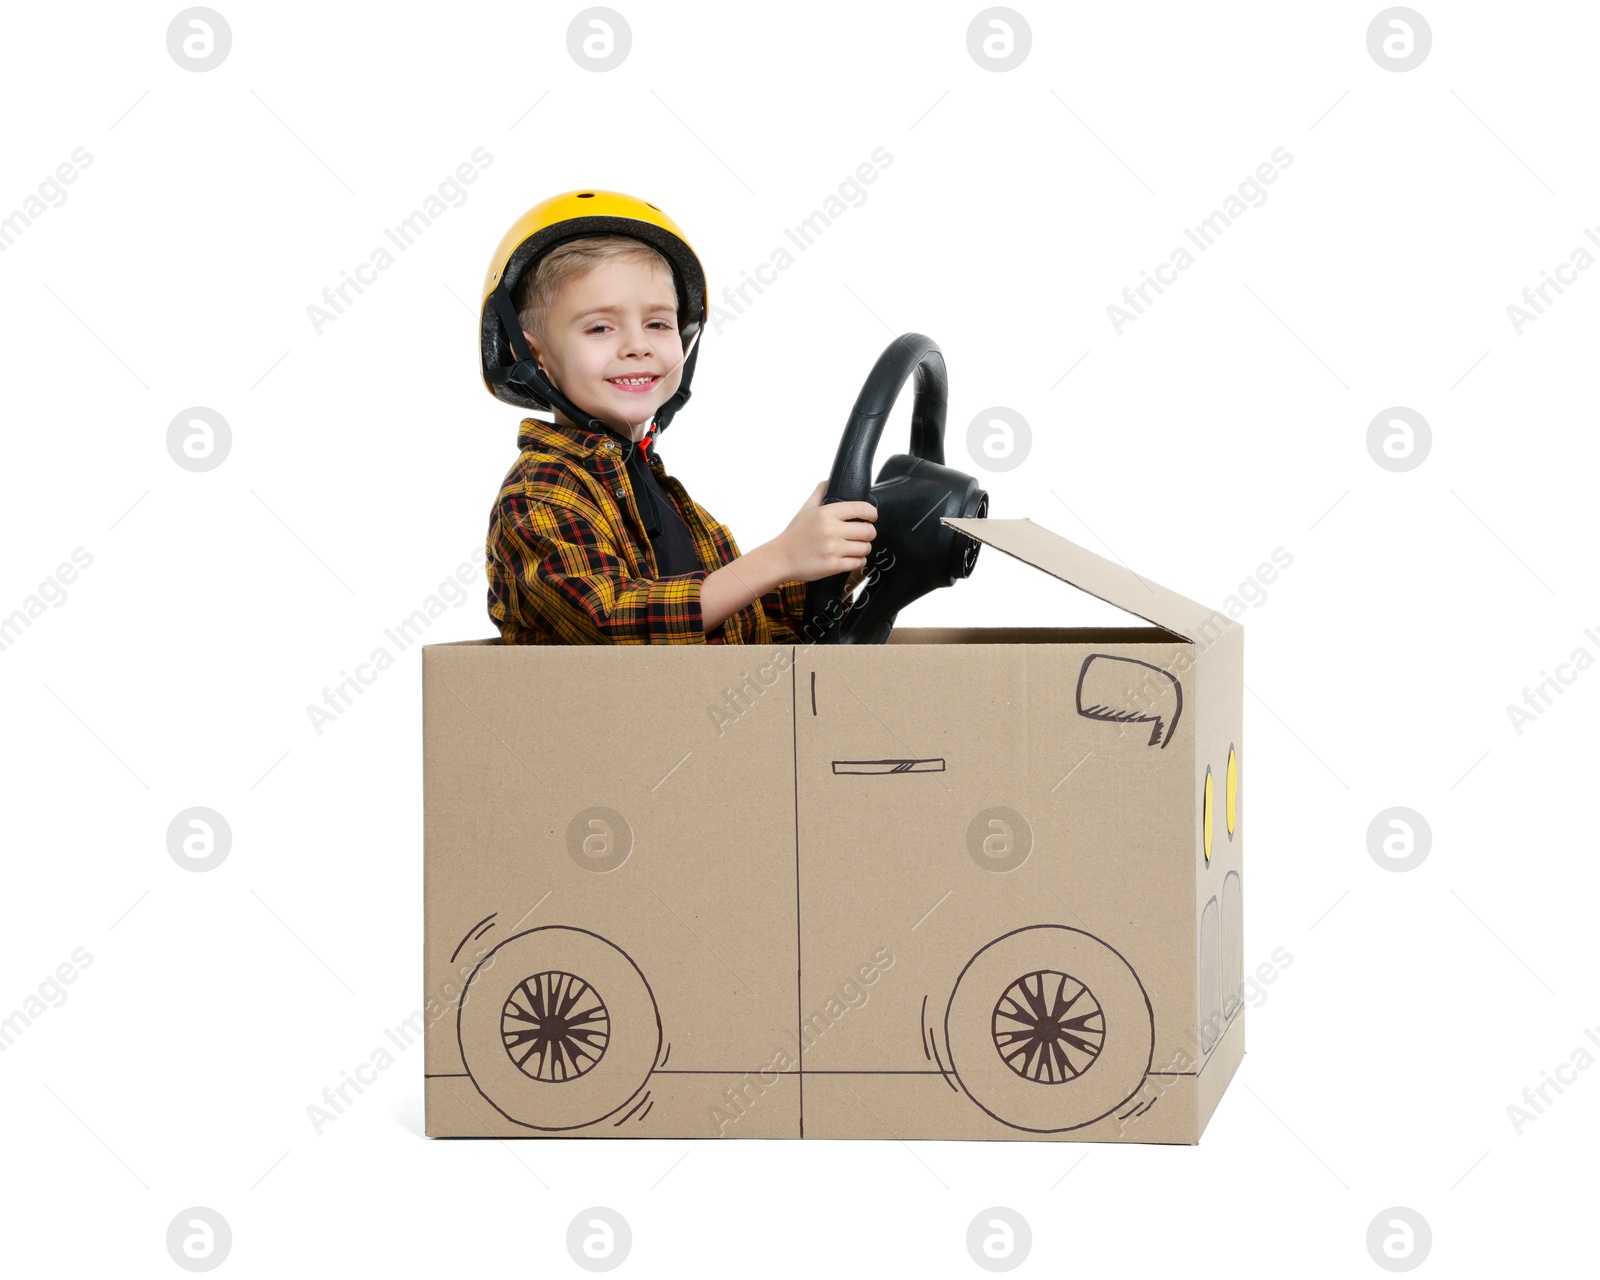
[[575, 442], [578, 442]]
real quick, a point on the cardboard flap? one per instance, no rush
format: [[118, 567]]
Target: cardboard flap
[[1114, 583]]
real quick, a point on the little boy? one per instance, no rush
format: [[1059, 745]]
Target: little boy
[[590, 540]]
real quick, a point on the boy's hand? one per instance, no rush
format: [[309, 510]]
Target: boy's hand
[[824, 540]]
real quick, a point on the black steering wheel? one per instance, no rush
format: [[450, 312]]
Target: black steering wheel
[[913, 553]]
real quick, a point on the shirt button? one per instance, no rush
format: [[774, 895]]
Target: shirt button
[[618, 492]]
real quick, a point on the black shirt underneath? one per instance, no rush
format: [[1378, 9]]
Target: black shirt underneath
[[674, 547]]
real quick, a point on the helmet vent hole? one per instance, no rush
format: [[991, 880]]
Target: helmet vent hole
[[657, 209], [586, 195]]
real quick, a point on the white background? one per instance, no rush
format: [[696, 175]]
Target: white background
[[1229, 420]]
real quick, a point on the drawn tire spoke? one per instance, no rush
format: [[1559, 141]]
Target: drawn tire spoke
[[1048, 1027], [555, 1026]]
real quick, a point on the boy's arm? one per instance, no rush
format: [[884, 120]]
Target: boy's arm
[[775, 615], [570, 577], [755, 576]]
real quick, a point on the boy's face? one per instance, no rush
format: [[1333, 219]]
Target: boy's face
[[616, 321]]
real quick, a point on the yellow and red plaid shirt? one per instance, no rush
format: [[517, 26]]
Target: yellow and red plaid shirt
[[570, 562]]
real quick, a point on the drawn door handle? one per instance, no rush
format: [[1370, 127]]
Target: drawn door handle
[[932, 764]]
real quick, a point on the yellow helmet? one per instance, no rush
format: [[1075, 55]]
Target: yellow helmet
[[509, 370]]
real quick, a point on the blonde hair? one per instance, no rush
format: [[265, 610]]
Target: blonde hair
[[537, 291]]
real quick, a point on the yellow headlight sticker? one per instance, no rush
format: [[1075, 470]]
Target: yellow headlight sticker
[[1230, 791], [1205, 817]]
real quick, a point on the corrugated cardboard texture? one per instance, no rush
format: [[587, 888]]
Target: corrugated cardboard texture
[[1219, 896], [700, 916], [1112, 582], [953, 886]]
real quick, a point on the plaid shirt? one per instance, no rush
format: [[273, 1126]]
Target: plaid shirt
[[569, 561]]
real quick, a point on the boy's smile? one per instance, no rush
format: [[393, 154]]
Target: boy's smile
[[613, 345]]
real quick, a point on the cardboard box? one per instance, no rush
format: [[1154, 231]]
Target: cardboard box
[[974, 883]]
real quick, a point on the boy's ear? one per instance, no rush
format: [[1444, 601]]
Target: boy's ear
[[538, 359], [538, 356]]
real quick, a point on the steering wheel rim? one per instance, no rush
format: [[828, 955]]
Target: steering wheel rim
[[851, 477]]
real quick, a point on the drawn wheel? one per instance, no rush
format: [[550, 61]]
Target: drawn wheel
[[1049, 1029], [558, 1028], [555, 1026]]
